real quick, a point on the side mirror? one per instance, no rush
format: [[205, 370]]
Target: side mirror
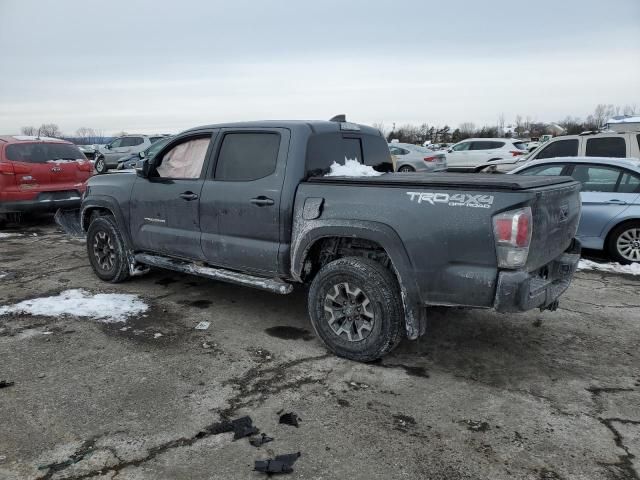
[[449, 150], [107, 146], [143, 168], [141, 154]]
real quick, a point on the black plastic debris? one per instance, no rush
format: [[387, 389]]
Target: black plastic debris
[[243, 427], [290, 419], [261, 440], [280, 464], [5, 383]]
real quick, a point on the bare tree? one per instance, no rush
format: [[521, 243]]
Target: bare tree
[[49, 130], [467, 128], [501, 124], [380, 126], [89, 136], [30, 130], [630, 109]]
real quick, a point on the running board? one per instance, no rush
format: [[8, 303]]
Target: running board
[[274, 285]]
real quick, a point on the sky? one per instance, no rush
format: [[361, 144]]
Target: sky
[[161, 67]]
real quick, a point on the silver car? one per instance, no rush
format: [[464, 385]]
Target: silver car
[[610, 201], [414, 158], [107, 156]]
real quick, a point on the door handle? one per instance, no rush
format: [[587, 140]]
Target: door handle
[[615, 201], [262, 201], [188, 196]]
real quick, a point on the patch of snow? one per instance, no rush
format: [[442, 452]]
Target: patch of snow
[[624, 119], [34, 138], [7, 235], [633, 269], [157, 335], [106, 307], [351, 168]]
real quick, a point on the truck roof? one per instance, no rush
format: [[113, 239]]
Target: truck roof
[[316, 126]]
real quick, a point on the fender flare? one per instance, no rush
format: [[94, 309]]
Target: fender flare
[[107, 203], [308, 232]]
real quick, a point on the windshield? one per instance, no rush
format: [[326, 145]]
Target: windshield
[[43, 152]]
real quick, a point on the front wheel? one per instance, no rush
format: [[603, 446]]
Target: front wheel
[[623, 244], [356, 308], [107, 250], [101, 166]]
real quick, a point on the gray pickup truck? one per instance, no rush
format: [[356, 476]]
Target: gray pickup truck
[[250, 203]]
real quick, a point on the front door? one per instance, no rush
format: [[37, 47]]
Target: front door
[[240, 204], [458, 156], [165, 214]]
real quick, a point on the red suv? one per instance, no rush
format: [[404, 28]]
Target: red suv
[[40, 174]]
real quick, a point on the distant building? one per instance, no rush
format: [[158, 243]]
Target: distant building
[[623, 123]]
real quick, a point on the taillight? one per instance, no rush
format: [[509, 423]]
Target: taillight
[[512, 232], [6, 168], [515, 153], [429, 159], [85, 166]]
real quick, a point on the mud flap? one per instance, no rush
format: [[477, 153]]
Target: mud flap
[[69, 221]]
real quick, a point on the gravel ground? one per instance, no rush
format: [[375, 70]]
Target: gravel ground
[[483, 395]]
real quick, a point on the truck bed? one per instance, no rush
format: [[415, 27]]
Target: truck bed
[[451, 181]]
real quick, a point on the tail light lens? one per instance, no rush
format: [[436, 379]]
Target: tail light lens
[[516, 153], [429, 159], [512, 232], [6, 168], [85, 166]]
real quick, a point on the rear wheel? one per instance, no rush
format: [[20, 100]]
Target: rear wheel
[[107, 250], [356, 308], [101, 166], [623, 244], [405, 169]]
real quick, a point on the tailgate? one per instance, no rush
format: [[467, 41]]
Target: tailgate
[[556, 214]]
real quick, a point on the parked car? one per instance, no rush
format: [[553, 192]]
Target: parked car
[[88, 150], [40, 174], [107, 157], [132, 160], [476, 151], [587, 144], [249, 203], [610, 201], [414, 158]]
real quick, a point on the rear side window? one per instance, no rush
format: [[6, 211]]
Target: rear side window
[[486, 145], [606, 147], [543, 170], [559, 148], [42, 152], [132, 141], [247, 156], [629, 183]]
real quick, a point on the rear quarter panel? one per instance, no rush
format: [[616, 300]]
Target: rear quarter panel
[[449, 244]]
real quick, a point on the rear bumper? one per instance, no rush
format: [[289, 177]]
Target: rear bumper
[[520, 291], [44, 202]]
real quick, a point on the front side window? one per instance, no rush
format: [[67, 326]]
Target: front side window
[[606, 147], [543, 170], [596, 179], [461, 147], [184, 160], [247, 156], [559, 148], [117, 143]]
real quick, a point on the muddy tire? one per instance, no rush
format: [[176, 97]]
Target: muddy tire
[[107, 250], [623, 243], [356, 308], [406, 169], [101, 166]]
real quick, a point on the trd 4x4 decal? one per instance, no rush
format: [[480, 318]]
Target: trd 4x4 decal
[[452, 200]]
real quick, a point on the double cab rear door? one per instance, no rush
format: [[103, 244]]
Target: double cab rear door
[[215, 198]]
